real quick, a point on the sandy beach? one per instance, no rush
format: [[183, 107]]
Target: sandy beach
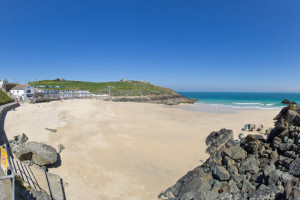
[[125, 150]]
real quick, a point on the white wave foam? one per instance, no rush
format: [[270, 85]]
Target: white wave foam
[[248, 103], [260, 107]]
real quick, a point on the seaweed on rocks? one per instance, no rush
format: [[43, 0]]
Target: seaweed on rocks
[[251, 168]]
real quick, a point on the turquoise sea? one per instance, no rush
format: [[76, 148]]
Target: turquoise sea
[[242, 99]]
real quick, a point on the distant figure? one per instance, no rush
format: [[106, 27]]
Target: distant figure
[[245, 127]]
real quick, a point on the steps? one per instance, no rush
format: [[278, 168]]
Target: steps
[[40, 180], [56, 188]]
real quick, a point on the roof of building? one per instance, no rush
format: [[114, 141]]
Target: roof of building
[[20, 87]]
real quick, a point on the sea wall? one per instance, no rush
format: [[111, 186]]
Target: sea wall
[[3, 110]]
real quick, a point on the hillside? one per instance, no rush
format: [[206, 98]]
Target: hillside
[[4, 98], [129, 88]]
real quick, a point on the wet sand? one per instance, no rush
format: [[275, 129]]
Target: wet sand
[[125, 150]]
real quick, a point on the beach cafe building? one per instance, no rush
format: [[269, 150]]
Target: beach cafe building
[[22, 92]]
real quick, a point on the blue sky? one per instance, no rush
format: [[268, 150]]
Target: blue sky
[[187, 45]]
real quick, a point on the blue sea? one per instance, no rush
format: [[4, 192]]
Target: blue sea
[[242, 100]]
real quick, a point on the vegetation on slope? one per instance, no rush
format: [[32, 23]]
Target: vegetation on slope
[[4, 98], [128, 88]]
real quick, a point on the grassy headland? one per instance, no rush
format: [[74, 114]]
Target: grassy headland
[[4, 98], [128, 88]]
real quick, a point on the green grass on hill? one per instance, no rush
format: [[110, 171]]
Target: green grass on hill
[[4, 98], [132, 88]]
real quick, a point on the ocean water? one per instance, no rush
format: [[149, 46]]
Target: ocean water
[[242, 100]]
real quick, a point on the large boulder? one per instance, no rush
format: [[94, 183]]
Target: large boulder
[[41, 154], [220, 137], [217, 139], [252, 144], [286, 101], [236, 153], [194, 185]]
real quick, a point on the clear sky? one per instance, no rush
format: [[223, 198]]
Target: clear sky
[[187, 45]]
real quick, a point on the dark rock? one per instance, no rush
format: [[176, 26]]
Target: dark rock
[[275, 132], [60, 148], [261, 179], [21, 138], [225, 196], [231, 143], [284, 147], [267, 193], [241, 135], [51, 130], [247, 187], [268, 169], [285, 161], [39, 153], [252, 168], [286, 101], [251, 144], [276, 142], [295, 194], [268, 131], [294, 168], [249, 165], [288, 187], [194, 183], [168, 99], [259, 137], [236, 153], [239, 179], [291, 117], [230, 164], [217, 140], [220, 137], [221, 173]]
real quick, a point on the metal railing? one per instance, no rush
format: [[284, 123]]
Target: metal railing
[[11, 176]]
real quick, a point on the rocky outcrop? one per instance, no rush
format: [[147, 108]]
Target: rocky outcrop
[[286, 101], [252, 168], [171, 99], [39, 153]]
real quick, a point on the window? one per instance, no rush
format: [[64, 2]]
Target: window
[[28, 91]]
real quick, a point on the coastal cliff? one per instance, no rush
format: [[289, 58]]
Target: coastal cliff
[[168, 99], [254, 167]]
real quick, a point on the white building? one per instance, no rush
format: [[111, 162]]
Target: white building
[[22, 92], [3, 82]]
